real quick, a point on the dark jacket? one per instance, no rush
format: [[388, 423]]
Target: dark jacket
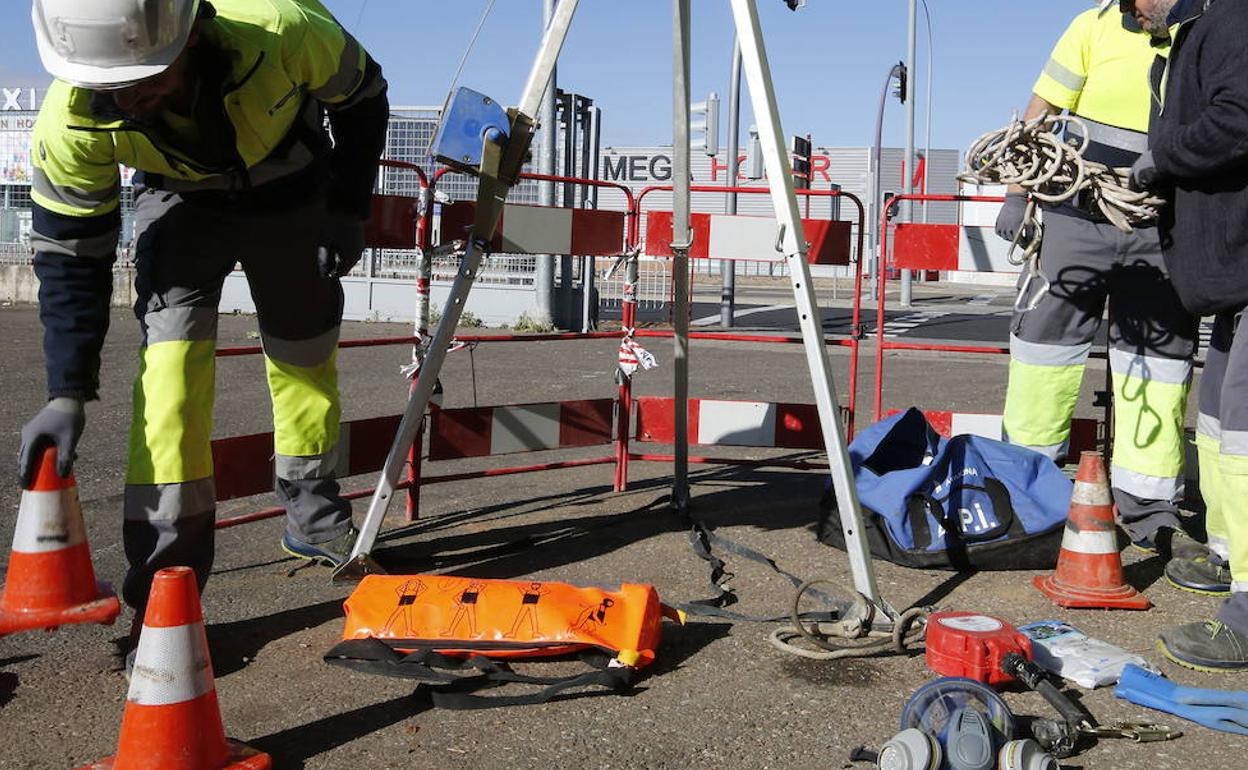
[[1199, 141]]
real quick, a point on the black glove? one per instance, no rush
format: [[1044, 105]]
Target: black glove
[[341, 244], [1010, 220], [1144, 173], [58, 424]]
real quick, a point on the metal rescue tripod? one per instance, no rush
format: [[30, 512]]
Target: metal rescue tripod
[[478, 136]]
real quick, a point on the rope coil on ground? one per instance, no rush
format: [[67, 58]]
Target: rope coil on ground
[[860, 635]]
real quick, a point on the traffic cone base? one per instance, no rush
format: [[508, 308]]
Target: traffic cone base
[[1123, 598], [103, 610], [172, 720], [50, 580], [242, 757], [1089, 568]]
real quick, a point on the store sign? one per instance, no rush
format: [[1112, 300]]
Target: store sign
[[658, 168], [19, 99]]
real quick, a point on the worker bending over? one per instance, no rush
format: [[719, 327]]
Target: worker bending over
[[220, 107]]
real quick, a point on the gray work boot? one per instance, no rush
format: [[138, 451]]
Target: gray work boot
[[1172, 544], [1211, 646], [1206, 575], [331, 553]]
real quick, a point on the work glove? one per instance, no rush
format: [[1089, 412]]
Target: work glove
[[1010, 219], [58, 424], [341, 244], [1144, 173]]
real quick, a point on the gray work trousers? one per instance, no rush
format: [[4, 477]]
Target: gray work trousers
[[1222, 441], [183, 254], [1152, 341]]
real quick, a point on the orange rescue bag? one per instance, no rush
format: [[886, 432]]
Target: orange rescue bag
[[433, 628]]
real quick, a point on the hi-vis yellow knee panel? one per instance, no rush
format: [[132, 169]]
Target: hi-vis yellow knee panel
[[1207, 450], [1039, 403], [305, 407], [171, 430], [1148, 425]]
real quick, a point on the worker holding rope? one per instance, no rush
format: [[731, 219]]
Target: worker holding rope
[[1198, 157], [1098, 243], [220, 107]]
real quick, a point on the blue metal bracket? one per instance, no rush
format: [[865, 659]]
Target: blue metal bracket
[[470, 118]]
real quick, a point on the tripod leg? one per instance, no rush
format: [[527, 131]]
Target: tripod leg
[[499, 169], [792, 243]]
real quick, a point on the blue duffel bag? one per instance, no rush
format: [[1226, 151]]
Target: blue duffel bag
[[962, 503]]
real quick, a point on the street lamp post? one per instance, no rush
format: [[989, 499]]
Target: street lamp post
[[896, 72], [907, 165]]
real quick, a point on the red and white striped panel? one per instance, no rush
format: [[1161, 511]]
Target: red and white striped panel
[[543, 229], [1083, 431], [392, 222], [724, 236], [949, 247], [244, 464], [496, 430], [732, 423]]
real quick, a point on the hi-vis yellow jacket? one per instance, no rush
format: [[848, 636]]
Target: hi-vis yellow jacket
[[1099, 71], [266, 68]]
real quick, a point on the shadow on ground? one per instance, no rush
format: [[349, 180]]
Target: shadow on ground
[[293, 747]]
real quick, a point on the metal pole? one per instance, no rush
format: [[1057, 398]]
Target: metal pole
[[792, 239], [927, 123], [907, 184], [876, 190], [681, 237], [585, 116], [728, 267], [544, 281], [567, 268]]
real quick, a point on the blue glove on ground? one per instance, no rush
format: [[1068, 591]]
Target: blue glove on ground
[[1217, 709]]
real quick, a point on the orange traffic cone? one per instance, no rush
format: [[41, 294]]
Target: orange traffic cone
[[50, 580], [1089, 568], [171, 718]]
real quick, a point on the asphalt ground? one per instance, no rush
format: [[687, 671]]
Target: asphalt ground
[[718, 696]]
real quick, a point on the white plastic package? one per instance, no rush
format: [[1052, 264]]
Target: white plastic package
[[1064, 650]]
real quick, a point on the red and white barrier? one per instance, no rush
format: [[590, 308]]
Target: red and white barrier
[[543, 230], [495, 430], [244, 464], [1083, 431], [724, 236], [732, 423], [964, 248]]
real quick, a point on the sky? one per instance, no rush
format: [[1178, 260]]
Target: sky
[[829, 59]]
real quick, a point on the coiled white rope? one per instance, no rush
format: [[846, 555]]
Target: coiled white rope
[[1032, 155]]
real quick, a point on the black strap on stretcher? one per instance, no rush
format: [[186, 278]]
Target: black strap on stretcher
[[455, 681]]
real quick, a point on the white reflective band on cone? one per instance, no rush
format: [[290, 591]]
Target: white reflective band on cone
[[1090, 542], [48, 521], [1087, 493], [171, 666], [1239, 587]]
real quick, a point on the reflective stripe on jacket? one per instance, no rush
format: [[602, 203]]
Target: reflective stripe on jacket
[[1099, 71]]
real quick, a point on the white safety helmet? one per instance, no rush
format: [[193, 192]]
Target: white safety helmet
[[105, 44]]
